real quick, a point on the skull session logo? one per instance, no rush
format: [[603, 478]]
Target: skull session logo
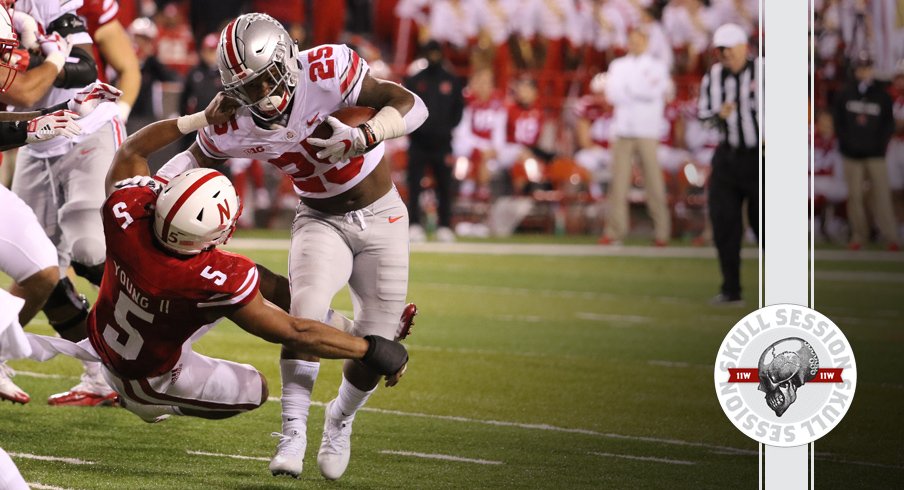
[[785, 375]]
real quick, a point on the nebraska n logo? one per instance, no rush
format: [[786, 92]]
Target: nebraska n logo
[[225, 212]]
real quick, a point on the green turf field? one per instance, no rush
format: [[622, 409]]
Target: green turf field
[[544, 372]]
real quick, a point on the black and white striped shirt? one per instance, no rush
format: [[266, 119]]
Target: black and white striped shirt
[[720, 85]]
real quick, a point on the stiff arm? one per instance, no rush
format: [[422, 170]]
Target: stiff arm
[[132, 157], [267, 321]]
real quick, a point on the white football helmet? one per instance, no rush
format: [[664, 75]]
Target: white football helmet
[[8, 42], [258, 64], [196, 211]]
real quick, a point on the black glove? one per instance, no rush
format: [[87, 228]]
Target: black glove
[[384, 356]]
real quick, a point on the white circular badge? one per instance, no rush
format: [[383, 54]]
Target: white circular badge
[[785, 375]]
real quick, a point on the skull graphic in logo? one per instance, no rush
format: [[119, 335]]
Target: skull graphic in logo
[[784, 367]]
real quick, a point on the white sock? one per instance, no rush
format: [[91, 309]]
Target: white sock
[[349, 400], [96, 378], [297, 383], [92, 370]]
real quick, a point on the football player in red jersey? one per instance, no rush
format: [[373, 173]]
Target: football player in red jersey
[[165, 282], [351, 226], [517, 133]]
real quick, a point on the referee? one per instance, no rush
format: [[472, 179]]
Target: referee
[[729, 97]]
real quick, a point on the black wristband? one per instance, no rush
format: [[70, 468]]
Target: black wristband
[[384, 356], [370, 139]]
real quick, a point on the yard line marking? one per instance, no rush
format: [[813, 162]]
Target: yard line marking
[[576, 250], [49, 458], [31, 374], [41, 486], [644, 458], [488, 352], [658, 440], [444, 457], [547, 427], [585, 315], [233, 456], [518, 318], [671, 364], [559, 293], [860, 276]]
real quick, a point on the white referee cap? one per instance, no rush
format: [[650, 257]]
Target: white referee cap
[[729, 35]]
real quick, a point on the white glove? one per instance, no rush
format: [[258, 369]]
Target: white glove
[[49, 126], [27, 28], [56, 49], [346, 142], [88, 98], [140, 181]]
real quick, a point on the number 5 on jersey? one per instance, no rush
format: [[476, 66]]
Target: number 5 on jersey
[[126, 340]]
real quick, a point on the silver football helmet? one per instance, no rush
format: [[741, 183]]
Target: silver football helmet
[[258, 65]]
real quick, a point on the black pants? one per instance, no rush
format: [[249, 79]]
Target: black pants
[[734, 179], [438, 161]]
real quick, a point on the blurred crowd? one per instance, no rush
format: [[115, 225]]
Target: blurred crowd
[[532, 149], [859, 121]]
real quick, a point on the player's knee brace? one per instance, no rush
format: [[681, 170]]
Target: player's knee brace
[[65, 308], [93, 273]]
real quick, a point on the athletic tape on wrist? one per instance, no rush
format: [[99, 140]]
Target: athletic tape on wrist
[[190, 123], [387, 124]]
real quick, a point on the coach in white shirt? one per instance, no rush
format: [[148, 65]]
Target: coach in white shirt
[[637, 87]]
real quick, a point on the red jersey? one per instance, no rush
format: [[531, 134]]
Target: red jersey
[[482, 115], [150, 302], [523, 124], [826, 156], [97, 13], [599, 116]]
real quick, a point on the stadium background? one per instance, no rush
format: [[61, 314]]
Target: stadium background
[[553, 361]]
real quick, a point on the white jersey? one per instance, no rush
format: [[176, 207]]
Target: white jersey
[[331, 77], [44, 13]]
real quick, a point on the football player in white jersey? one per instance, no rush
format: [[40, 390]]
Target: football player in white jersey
[[351, 226], [61, 179]]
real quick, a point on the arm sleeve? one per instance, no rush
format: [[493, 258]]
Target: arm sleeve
[[416, 115], [79, 74]]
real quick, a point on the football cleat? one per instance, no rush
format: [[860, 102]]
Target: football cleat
[[8, 389], [406, 321], [93, 391], [289, 458], [335, 447]]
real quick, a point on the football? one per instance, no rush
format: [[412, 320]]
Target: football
[[352, 116]]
